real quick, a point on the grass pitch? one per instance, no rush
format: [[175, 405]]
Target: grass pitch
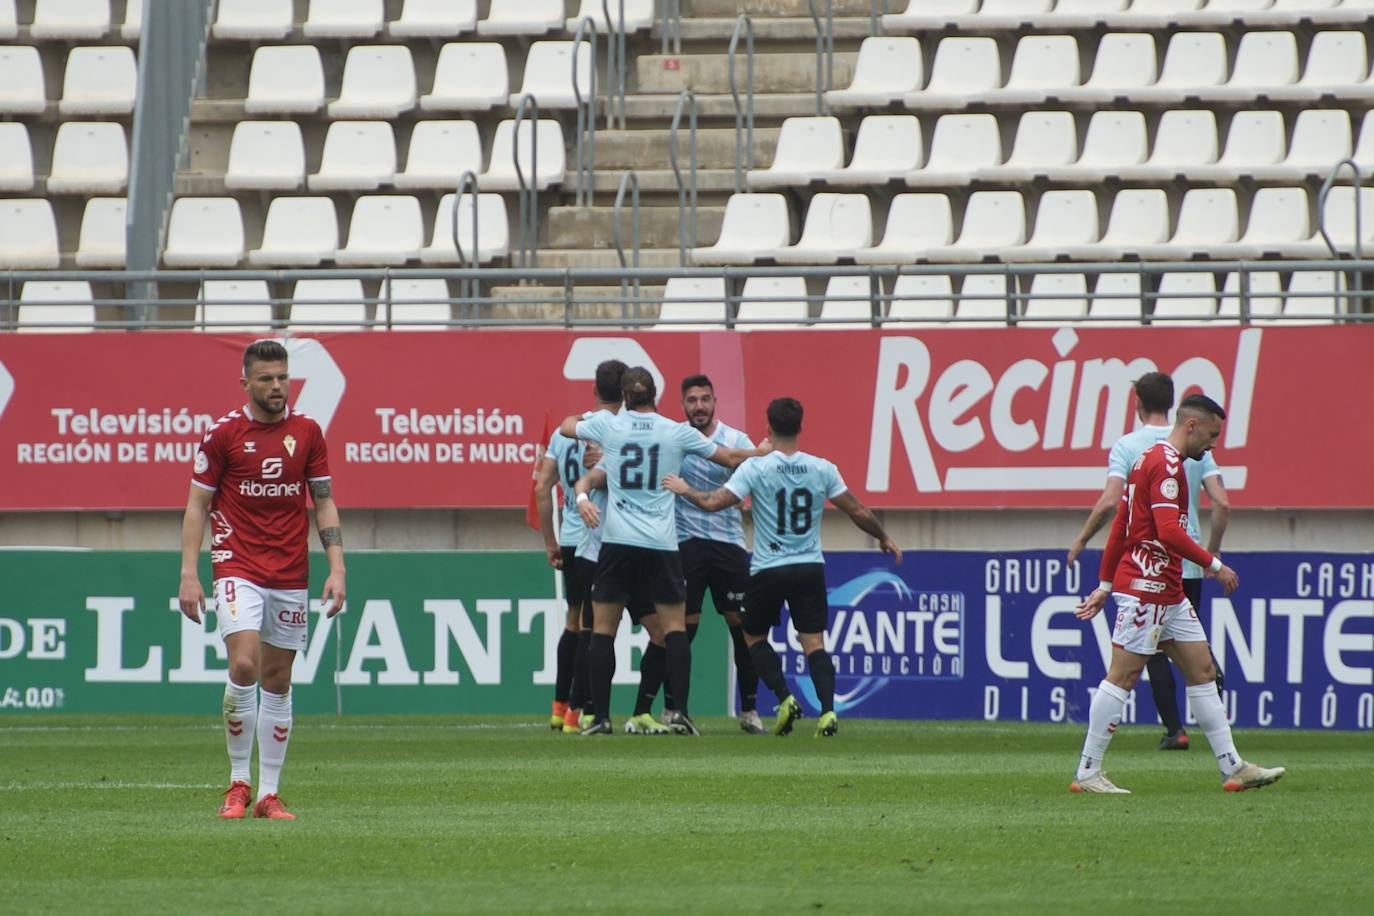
[[412, 815]]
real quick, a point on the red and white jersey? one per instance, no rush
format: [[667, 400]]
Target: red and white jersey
[[1150, 532], [259, 473]]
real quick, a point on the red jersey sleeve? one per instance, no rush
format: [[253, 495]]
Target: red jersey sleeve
[[1168, 486], [211, 458], [317, 463], [1116, 542]]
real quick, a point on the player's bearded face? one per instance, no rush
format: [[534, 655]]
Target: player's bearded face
[[1203, 436], [699, 404], [267, 385]]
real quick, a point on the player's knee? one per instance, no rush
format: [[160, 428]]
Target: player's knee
[[1126, 680], [243, 672], [811, 642]]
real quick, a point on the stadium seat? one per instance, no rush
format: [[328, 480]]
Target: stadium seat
[[1278, 223], [1125, 62], [286, 79], [266, 155], [1044, 140], [22, 90], [9, 20], [440, 152], [132, 28], [493, 231], [837, 227], [807, 148], [848, 304], [925, 298], [886, 148], [1183, 139], [692, 304], [915, 223], [415, 305], [1009, 14], [1313, 296], [70, 20], [435, 19], [1208, 217], [549, 75], [1116, 300], [1114, 140], [378, 82], [1338, 217], [1256, 139], [886, 70], [1194, 62], [772, 303], [470, 76], [1264, 60], [298, 232], [1265, 296], [234, 305], [16, 158], [1185, 298], [89, 158], [1056, 298], [28, 234], [963, 67], [1321, 138], [993, 220], [753, 223], [204, 232], [983, 300], [102, 239], [253, 20], [639, 15], [1083, 14], [327, 305], [551, 164], [384, 231], [1139, 217], [358, 156], [1043, 66], [522, 17], [99, 80], [343, 19], [928, 14], [962, 144], [1062, 218], [1337, 65], [1159, 14], [49, 306], [1364, 145]]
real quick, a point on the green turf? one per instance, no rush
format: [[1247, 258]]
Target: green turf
[[415, 815]]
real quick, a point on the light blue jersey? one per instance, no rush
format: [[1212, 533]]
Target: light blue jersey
[[789, 494], [1127, 451], [589, 548], [566, 454], [727, 525], [640, 449]]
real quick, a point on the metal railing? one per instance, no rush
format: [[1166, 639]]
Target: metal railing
[[586, 116], [615, 54], [528, 251], [686, 194], [670, 26], [825, 53], [629, 288], [744, 115], [469, 290], [876, 10], [1321, 217]]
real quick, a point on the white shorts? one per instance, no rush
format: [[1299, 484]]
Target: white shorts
[[279, 614], [1141, 627]]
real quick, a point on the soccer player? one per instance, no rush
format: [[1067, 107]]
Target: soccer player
[[563, 464], [789, 489], [1154, 394], [251, 473], [639, 547], [1141, 570]]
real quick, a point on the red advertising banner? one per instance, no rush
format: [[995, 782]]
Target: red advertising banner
[[939, 418]]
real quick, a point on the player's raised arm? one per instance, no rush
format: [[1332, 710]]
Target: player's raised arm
[[331, 539], [714, 501], [545, 479], [190, 594], [734, 457], [867, 522], [595, 479]]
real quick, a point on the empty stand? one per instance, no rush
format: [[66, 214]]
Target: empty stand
[[440, 152], [253, 20], [298, 232], [962, 67], [916, 223], [693, 304], [774, 303], [103, 233], [16, 158], [89, 158], [807, 148], [886, 71], [848, 304], [414, 305], [753, 224], [99, 81], [234, 305], [549, 74], [327, 305], [886, 148], [639, 15], [384, 231], [493, 231], [266, 155], [543, 157], [285, 79], [470, 76], [70, 20], [204, 232], [522, 17], [47, 306], [28, 234], [358, 156], [924, 298], [343, 19], [961, 145], [837, 227], [378, 82], [22, 88]]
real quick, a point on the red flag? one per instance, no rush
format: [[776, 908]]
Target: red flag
[[532, 510]]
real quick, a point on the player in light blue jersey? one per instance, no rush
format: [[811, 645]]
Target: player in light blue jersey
[[639, 555], [789, 488], [1154, 395]]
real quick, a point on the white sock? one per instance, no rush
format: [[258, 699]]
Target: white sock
[[1104, 715], [240, 724], [1211, 715], [274, 732]]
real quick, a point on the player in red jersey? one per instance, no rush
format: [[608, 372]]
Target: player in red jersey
[[1143, 571], [251, 473]]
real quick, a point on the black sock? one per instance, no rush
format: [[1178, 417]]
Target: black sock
[[651, 670], [1165, 692], [692, 631], [567, 661], [823, 676], [769, 667], [601, 669], [577, 694], [744, 671], [1221, 678], [679, 651]]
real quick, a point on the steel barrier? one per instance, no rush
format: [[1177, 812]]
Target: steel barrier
[[744, 117], [685, 204]]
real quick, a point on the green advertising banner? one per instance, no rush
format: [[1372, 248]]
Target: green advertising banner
[[431, 632]]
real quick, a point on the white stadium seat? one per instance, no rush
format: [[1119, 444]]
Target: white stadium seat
[[993, 220], [915, 223], [961, 145], [253, 20], [925, 298], [1114, 140], [886, 148], [928, 14], [99, 80], [1062, 218], [415, 305], [1116, 300], [1043, 67], [1057, 298], [522, 17], [1264, 60], [545, 172], [1313, 295], [1125, 63], [204, 232], [1337, 65], [1265, 296], [963, 67], [440, 152], [753, 223], [1159, 14], [886, 70], [69, 20], [1191, 297], [9, 20], [435, 19], [1083, 14], [358, 156], [16, 157], [1207, 218], [848, 303], [266, 155], [22, 90], [89, 158], [48, 306], [837, 227], [384, 231], [1279, 221], [132, 29], [1183, 140], [103, 233], [692, 304], [343, 19], [298, 232], [1321, 138], [378, 82], [327, 305], [285, 79], [807, 147], [234, 305], [983, 300], [1338, 216], [639, 15], [1044, 140], [493, 231], [1139, 217], [1194, 62], [772, 303], [1256, 139], [1009, 14], [549, 74], [470, 76]]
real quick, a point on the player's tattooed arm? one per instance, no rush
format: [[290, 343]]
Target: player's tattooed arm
[[331, 537], [867, 522], [714, 501], [321, 489]]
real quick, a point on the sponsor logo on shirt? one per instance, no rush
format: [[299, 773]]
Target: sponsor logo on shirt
[[269, 490], [1146, 585], [295, 616]]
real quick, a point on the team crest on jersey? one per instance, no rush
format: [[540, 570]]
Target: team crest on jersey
[[202, 463], [1169, 488], [290, 443]]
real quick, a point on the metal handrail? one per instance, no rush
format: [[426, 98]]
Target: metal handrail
[[683, 237], [670, 28], [529, 195], [469, 178], [741, 122], [586, 116], [615, 51], [1321, 217], [877, 9], [628, 180], [825, 47]]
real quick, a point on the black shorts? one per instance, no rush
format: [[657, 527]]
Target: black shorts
[[634, 575], [574, 586], [800, 585], [1192, 590], [721, 567], [586, 574]]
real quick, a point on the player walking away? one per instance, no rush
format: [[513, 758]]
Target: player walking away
[[789, 490], [563, 464], [639, 546], [1154, 393], [251, 473], [1141, 570]]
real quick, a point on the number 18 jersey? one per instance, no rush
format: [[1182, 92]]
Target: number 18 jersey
[[789, 493]]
